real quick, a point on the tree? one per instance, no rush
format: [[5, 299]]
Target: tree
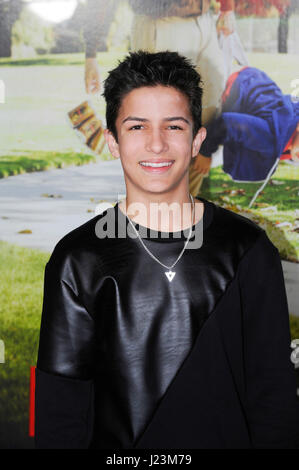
[[283, 30], [31, 30], [9, 13]]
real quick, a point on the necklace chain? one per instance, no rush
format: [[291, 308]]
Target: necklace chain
[[186, 243]]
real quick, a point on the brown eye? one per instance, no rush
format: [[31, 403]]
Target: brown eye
[[137, 127]]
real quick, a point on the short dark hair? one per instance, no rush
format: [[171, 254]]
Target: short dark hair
[[145, 69]]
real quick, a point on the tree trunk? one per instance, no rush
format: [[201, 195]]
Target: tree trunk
[[283, 31], [9, 13], [5, 32]]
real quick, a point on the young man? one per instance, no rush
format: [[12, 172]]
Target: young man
[[184, 26], [145, 343]]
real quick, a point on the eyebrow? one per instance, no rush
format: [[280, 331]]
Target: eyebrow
[[167, 119]]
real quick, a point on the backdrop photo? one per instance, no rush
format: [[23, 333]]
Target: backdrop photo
[[56, 172]]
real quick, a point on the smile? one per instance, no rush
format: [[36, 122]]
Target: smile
[[156, 165]]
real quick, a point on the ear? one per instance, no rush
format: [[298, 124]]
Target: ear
[[112, 144], [198, 140]]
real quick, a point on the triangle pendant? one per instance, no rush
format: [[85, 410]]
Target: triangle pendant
[[170, 275]]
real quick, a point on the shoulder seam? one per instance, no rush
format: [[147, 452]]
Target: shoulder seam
[[78, 297], [61, 279]]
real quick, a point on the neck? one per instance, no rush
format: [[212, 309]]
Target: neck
[[165, 215]]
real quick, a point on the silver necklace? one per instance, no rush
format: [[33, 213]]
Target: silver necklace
[[169, 274]]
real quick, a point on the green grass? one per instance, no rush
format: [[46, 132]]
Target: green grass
[[28, 161], [220, 188], [21, 293], [21, 286]]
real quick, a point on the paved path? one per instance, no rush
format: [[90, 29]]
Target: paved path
[[23, 207], [50, 218]]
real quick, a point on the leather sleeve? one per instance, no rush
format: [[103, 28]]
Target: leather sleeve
[[272, 404], [64, 374], [66, 345]]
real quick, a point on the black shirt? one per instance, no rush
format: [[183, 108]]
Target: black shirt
[[128, 359]]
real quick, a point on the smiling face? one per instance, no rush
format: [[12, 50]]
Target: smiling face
[[154, 125]]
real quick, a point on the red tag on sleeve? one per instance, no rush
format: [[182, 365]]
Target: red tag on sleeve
[[32, 401]]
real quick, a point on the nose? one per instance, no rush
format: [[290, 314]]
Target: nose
[[156, 142]]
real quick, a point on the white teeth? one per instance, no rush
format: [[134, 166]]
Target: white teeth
[[156, 165]]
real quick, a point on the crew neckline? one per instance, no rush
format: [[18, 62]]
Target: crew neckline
[[172, 236]]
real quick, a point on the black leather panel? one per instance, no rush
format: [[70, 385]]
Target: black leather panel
[[110, 313]]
